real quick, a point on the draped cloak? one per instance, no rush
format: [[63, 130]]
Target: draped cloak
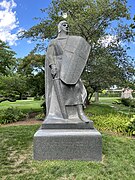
[[72, 95]]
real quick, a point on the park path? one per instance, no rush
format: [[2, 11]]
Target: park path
[[30, 121]]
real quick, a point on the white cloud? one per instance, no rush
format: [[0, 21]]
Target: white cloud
[[8, 22]]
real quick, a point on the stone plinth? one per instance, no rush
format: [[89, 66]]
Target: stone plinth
[[68, 144], [69, 125]]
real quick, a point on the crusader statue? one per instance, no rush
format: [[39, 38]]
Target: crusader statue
[[65, 93]]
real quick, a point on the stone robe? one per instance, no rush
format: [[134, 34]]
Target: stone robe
[[72, 95]]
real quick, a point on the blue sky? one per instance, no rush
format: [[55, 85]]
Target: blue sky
[[16, 15], [19, 14]]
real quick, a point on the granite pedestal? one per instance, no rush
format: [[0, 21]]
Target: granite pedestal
[[68, 144]]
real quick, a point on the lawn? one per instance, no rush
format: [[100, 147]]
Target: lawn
[[22, 104], [36, 104], [16, 154], [110, 101], [106, 115], [21, 109], [107, 100], [17, 162]]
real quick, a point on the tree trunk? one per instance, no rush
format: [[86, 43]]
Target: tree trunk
[[87, 101], [96, 97], [20, 96], [91, 95]]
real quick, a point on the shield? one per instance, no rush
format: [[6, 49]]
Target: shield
[[75, 56]]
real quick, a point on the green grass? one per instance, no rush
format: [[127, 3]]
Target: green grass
[[106, 115], [27, 105], [119, 107], [17, 162], [24, 105], [107, 100], [16, 154]]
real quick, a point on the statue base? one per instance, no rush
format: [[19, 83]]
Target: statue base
[[68, 144], [66, 124]]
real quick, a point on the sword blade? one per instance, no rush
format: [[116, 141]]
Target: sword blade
[[60, 98]]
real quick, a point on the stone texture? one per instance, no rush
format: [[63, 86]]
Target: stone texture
[[66, 132], [75, 56], [67, 125], [67, 144]]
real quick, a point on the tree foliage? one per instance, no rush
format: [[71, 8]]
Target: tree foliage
[[88, 18], [98, 22], [13, 87], [133, 25], [27, 80], [7, 59], [32, 66]]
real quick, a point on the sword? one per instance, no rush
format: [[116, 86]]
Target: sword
[[60, 97]]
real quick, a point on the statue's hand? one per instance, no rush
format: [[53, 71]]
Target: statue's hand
[[53, 70]]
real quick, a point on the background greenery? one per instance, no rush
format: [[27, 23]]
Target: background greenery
[[23, 104], [106, 66], [19, 110], [108, 63], [108, 115]]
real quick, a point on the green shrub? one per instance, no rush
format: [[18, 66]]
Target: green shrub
[[128, 102], [125, 101], [11, 115], [111, 122], [110, 119], [117, 101], [36, 98], [40, 116], [43, 105], [133, 103], [130, 126]]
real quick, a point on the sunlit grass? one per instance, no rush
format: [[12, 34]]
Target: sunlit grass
[[16, 158], [16, 149], [25, 106]]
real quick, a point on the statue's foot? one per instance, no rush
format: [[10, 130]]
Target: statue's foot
[[81, 114], [84, 118]]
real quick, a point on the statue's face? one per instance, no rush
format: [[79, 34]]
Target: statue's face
[[65, 27]]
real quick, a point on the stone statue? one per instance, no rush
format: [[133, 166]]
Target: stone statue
[[65, 93], [126, 93], [66, 133]]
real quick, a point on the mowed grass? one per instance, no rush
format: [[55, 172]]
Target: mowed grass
[[16, 159], [107, 100], [24, 105], [16, 150], [110, 101]]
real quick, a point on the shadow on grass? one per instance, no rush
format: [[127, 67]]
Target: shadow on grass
[[99, 109]]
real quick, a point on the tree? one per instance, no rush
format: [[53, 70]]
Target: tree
[[13, 87], [32, 66], [108, 63], [89, 19], [26, 80], [7, 59], [108, 69]]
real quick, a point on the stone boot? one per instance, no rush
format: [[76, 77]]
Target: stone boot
[[81, 114]]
